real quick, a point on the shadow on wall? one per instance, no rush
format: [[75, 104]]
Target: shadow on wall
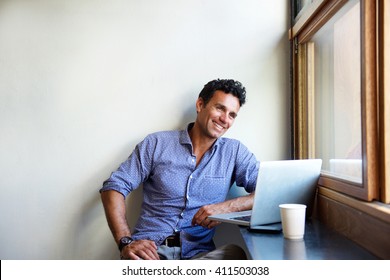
[[133, 206], [188, 114], [91, 237]]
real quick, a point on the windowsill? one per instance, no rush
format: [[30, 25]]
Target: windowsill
[[376, 209], [354, 180]]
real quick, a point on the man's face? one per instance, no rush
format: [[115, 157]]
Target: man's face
[[218, 115]]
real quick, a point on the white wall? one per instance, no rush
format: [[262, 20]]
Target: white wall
[[81, 82]]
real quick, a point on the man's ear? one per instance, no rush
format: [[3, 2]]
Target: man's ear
[[199, 104]]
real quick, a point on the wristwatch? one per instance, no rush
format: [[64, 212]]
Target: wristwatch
[[124, 241]]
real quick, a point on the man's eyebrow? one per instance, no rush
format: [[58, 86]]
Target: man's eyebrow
[[221, 106], [232, 113]]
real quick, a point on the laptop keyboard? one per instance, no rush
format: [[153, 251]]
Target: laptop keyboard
[[242, 218]]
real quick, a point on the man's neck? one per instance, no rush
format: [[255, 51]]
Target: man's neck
[[200, 143]]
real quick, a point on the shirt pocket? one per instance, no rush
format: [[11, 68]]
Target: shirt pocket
[[214, 188]]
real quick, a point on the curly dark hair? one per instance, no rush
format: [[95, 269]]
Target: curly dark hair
[[227, 86]]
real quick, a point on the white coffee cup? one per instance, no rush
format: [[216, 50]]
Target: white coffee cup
[[293, 220]]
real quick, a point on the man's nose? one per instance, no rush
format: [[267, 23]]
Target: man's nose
[[224, 117]]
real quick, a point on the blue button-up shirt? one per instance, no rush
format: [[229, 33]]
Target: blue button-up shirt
[[174, 188]]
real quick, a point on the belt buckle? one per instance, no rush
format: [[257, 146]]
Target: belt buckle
[[166, 242], [171, 241]]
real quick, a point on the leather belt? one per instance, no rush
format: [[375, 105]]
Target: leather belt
[[172, 241]]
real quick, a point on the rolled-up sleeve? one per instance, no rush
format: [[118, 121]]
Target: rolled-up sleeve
[[132, 172]]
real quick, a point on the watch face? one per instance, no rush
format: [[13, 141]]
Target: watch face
[[126, 240]]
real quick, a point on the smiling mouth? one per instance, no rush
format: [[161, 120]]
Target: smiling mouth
[[219, 127]]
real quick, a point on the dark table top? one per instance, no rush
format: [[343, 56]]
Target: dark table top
[[319, 243]]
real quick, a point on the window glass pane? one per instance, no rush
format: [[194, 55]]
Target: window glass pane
[[299, 6], [337, 94]]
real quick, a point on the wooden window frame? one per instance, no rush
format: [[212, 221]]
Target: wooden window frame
[[374, 97], [384, 97]]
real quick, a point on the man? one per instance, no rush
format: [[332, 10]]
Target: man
[[186, 176]]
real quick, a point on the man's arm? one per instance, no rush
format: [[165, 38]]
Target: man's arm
[[241, 203], [115, 209]]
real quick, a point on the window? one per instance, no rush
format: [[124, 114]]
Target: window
[[300, 6], [335, 93], [340, 101]]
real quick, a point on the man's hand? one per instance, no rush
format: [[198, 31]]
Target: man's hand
[[140, 250], [201, 217], [237, 204]]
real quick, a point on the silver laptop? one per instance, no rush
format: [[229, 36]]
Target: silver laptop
[[278, 182]]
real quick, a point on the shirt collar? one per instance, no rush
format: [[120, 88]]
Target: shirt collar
[[185, 137]]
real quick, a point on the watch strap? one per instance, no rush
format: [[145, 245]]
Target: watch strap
[[124, 241]]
